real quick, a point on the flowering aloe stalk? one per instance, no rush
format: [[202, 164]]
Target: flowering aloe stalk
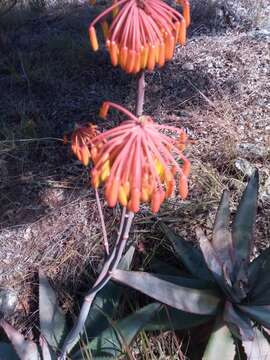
[[136, 161], [143, 33]]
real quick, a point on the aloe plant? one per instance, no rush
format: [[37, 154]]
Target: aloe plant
[[104, 338], [223, 283]]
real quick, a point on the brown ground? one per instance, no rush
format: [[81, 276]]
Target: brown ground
[[216, 88]]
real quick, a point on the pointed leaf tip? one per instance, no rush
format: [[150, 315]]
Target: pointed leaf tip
[[242, 227]]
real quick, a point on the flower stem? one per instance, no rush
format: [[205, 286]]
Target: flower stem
[[140, 93], [104, 277], [105, 238]]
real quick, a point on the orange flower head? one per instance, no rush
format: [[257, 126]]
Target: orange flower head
[[138, 162], [81, 141], [143, 33]]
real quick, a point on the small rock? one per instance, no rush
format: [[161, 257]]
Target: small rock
[[244, 166], [188, 66], [8, 301], [249, 150]]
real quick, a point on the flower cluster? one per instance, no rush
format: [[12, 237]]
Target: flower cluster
[[136, 160], [143, 33]]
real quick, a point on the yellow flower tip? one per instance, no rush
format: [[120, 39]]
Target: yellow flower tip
[[93, 38], [105, 28], [103, 112], [92, 2], [183, 187], [105, 171], [122, 196]]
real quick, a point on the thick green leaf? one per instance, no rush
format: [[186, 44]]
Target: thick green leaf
[[189, 282], [113, 340], [259, 280], [51, 318], [26, 350], [244, 221], [203, 302], [220, 345], [260, 314], [168, 318], [191, 257], [47, 352], [222, 239], [239, 323], [158, 266], [259, 348], [210, 256], [7, 352], [106, 301]]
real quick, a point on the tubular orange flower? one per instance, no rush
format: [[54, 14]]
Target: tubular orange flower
[[81, 141], [143, 33], [137, 161]]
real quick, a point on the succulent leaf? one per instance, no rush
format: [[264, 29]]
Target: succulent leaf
[[51, 318], [158, 266], [242, 227], [189, 282], [7, 352], [260, 314], [195, 301], [26, 350], [210, 256], [47, 353], [222, 239], [258, 348], [168, 318], [115, 338], [191, 257], [106, 301], [238, 322], [259, 281], [220, 344]]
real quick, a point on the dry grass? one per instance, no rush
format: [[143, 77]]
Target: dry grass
[[48, 217]]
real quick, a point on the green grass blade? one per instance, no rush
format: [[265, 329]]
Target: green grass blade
[[194, 301]]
